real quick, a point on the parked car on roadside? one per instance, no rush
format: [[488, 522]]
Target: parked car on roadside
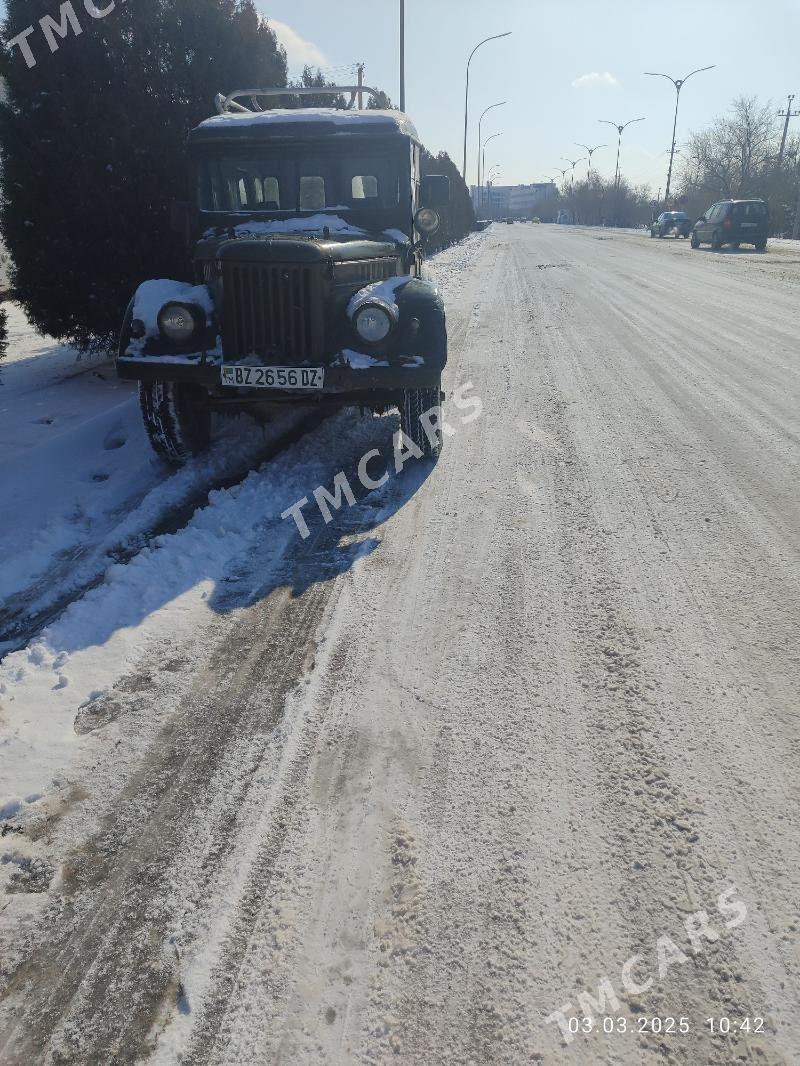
[[307, 231], [671, 224], [733, 222]]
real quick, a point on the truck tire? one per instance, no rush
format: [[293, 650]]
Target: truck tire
[[414, 403], [177, 425], [761, 246]]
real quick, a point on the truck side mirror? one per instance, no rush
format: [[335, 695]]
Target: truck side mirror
[[435, 190], [180, 219]]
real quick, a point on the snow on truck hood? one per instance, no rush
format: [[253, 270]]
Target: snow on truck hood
[[310, 225]]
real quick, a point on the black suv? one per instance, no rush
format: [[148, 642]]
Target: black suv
[[676, 222], [307, 228], [733, 222]]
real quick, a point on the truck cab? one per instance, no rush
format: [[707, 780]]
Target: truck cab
[[308, 229]]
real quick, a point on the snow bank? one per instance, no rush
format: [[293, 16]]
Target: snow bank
[[165, 592]]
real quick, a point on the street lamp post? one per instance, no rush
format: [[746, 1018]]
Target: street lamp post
[[496, 37], [572, 164], [480, 122], [562, 173], [619, 130], [678, 83], [493, 173], [402, 55], [591, 152], [483, 150]]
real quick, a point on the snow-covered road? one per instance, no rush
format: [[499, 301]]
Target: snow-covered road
[[515, 735]]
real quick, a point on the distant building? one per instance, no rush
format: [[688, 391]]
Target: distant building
[[511, 201]]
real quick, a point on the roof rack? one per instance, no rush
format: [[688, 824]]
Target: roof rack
[[227, 104]]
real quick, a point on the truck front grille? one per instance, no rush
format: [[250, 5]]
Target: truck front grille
[[272, 311]]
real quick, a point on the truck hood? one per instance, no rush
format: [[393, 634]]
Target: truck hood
[[300, 239], [295, 250]]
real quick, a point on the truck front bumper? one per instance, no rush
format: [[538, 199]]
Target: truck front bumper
[[341, 382]]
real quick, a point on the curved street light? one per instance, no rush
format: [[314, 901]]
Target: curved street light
[[619, 130], [591, 152], [573, 165], [482, 149], [496, 37], [491, 107], [679, 84], [494, 172]]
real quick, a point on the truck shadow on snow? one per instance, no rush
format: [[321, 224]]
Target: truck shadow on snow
[[240, 568], [331, 549]]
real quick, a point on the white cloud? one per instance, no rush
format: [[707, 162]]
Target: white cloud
[[595, 79], [299, 52]]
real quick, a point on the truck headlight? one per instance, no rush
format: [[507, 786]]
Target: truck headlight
[[180, 322], [427, 221], [373, 323]]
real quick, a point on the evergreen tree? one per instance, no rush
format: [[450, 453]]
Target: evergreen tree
[[310, 80], [93, 144], [381, 102]]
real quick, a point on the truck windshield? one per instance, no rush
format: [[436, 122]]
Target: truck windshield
[[237, 184]]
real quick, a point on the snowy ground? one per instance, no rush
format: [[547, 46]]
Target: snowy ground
[[402, 790], [82, 489]]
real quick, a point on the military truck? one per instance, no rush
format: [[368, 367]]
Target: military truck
[[308, 230]]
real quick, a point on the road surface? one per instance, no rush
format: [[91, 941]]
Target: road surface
[[509, 749]]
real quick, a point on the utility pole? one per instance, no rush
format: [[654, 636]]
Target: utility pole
[[402, 55], [788, 113], [796, 226], [360, 85]]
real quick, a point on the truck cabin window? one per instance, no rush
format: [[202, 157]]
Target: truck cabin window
[[245, 184]]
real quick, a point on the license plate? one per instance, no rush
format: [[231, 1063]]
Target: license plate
[[273, 377]]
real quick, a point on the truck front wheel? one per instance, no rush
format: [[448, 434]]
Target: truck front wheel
[[420, 418], [176, 422]]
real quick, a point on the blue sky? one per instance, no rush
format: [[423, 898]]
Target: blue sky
[[565, 66]]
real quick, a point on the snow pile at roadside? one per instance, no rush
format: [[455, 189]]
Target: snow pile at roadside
[[78, 477], [166, 590], [446, 268]]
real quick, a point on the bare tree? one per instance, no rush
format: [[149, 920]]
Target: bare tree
[[731, 156], [737, 156]]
